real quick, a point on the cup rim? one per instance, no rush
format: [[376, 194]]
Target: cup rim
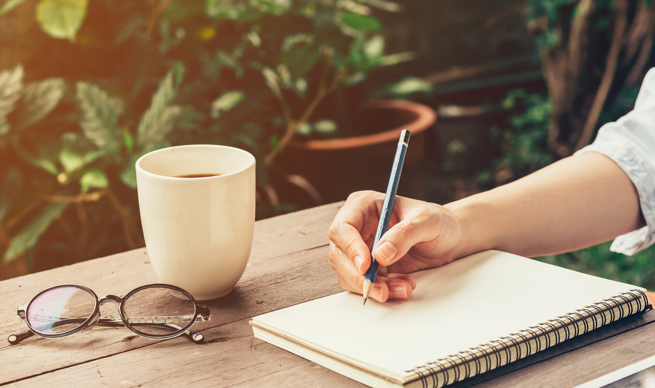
[[138, 167]]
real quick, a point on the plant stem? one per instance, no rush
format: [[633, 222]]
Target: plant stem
[[84, 225], [84, 197], [128, 221], [15, 219], [157, 8], [292, 125]]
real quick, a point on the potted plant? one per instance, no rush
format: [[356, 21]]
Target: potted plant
[[337, 166], [251, 74]]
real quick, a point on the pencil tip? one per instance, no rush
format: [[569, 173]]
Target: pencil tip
[[365, 301]]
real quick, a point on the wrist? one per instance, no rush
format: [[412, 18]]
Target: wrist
[[476, 234]]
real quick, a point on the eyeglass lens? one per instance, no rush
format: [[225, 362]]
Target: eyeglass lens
[[60, 309], [149, 310]]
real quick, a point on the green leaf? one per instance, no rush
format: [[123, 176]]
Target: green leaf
[[9, 5], [42, 162], [285, 76], [410, 85], [4, 128], [128, 141], [361, 22], [229, 9], [159, 129], [354, 6], [28, 237], [158, 119], [273, 142], [99, 114], [374, 47], [291, 41], [93, 155], [302, 59], [254, 38], [225, 102], [275, 7], [388, 6], [45, 164], [304, 129], [325, 126], [229, 60], [39, 99], [45, 159], [301, 85], [273, 81], [355, 78], [128, 175], [70, 160], [14, 180], [11, 84], [76, 152], [93, 179], [456, 146], [394, 59], [61, 19]]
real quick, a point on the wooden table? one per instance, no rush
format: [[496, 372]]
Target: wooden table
[[288, 266]]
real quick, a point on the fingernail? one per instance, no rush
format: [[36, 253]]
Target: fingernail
[[387, 250], [398, 292], [376, 292], [358, 263]]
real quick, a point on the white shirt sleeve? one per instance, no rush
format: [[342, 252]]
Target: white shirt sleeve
[[630, 142]]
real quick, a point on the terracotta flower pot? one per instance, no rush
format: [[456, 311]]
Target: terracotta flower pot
[[338, 167]]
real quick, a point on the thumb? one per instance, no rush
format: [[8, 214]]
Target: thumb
[[401, 238]]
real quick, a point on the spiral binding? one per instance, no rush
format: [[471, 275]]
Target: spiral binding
[[496, 353]]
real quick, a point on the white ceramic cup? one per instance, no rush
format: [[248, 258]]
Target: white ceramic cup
[[198, 231]]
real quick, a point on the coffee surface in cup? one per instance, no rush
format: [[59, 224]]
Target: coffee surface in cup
[[196, 175]]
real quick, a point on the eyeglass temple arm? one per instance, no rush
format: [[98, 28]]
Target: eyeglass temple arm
[[203, 315]]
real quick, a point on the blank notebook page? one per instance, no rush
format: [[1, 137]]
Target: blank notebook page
[[466, 303]]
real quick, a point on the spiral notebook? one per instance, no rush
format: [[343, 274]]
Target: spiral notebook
[[466, 318]]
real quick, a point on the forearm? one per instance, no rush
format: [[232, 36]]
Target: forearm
[[572, 204]]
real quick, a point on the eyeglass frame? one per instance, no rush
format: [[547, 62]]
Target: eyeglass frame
[[201, 313]]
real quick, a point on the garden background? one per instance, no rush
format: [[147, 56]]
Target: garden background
[[87, 87]]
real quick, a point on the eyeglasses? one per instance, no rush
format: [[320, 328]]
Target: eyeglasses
[[151, 311]]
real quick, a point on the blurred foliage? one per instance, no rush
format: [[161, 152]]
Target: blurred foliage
[[598, 260], [569, 34], [105, 82], [592, 54], [406, 88], [524, 149], [523, 142]]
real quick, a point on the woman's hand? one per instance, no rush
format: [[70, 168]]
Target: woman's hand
[[421, 235]]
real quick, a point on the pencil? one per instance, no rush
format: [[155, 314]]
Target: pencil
[[387, 207]]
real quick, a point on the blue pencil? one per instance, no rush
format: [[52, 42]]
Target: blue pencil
[[387, 207]]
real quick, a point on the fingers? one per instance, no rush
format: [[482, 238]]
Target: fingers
[[349, 241], [351, 238], [399, 288], [384, 288], [409, 279], [379, 293], [346, 269], [355, 223], [389, 286], [417, 225]]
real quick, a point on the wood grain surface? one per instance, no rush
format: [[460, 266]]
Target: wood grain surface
[[288, 266]]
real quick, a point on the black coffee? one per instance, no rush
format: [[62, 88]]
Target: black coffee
[[196, 175]]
